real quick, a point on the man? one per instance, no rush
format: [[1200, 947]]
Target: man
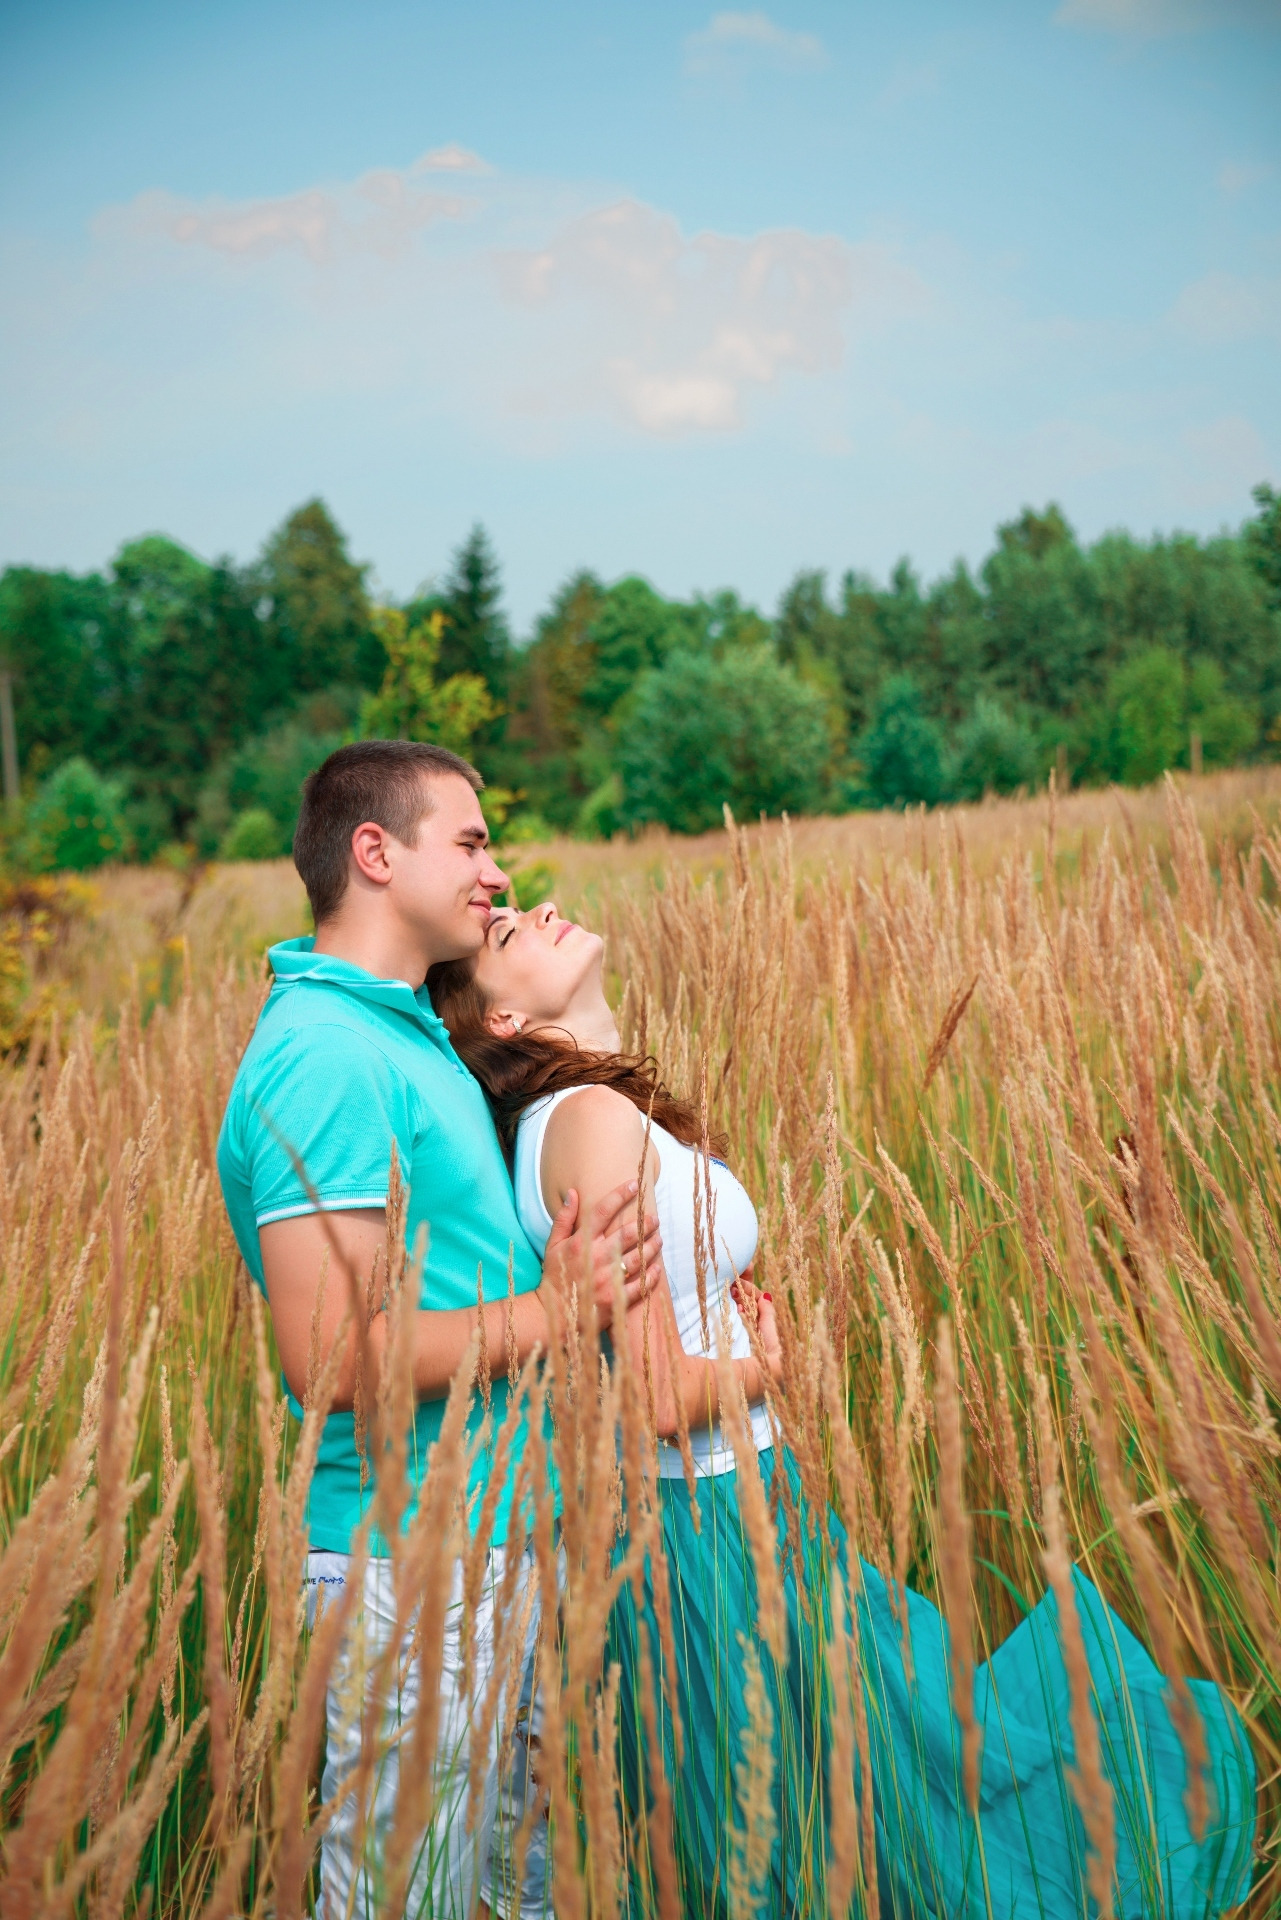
[[348, 1061]]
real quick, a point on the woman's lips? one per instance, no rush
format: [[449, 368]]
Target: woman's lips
[[568, 927]]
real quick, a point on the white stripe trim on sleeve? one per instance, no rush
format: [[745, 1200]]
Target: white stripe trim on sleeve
[[337, 1203]]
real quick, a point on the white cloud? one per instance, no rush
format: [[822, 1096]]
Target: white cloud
[[674, 332], [600, 383], [379, 212], [729, 37], [613, 313], [451, 159], [1153, 19], [1223, 309], [1235, 176]]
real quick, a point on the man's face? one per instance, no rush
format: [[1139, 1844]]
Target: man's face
[[444, 884]]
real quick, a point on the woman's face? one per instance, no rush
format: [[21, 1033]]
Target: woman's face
[[533, 965]]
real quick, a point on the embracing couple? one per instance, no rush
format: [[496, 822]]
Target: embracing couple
[[474, 1047]]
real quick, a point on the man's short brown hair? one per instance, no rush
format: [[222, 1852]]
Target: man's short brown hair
[[382, 780]]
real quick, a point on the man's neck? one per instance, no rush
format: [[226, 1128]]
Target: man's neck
[[386, 949]]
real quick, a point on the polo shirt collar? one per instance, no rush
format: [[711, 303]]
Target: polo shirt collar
[[295, 960]]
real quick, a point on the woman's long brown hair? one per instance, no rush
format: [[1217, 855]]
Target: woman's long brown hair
[[528, 1066]]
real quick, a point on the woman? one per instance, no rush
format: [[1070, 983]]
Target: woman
[[531, 1019]]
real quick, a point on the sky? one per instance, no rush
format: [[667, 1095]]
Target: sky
[[708, 295]]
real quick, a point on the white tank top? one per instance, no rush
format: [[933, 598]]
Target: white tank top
[[735, 1239]]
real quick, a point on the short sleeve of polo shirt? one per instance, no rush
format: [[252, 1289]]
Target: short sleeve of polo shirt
[[319, 1123]]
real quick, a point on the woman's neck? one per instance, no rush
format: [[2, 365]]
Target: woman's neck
[[590, 1023]]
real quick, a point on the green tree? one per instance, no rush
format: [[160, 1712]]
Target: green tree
[[76, 820], [154, 582], [805, 626], [190, 675], [993, 753], [702, 732], [1146, 701], [412, 703], [547, 720], [1036, 534], [315, 608], [1263, 543], [474, 637], [721, 620], [858, 647], [267, 772], [1045, 640], [901, 750], [1150, 707], [1228, 728], [634, 629], [952, 668], [51, 629]]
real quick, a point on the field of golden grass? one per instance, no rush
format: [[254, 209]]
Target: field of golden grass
[[1006, 1086]]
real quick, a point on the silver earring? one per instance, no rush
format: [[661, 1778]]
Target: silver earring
[[518, 1021]]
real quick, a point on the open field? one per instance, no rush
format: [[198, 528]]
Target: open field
[[1006, 1086], [237, 911]]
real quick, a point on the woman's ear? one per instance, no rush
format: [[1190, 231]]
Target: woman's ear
[[502, 1024]]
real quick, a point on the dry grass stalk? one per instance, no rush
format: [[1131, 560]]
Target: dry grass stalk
[[1090, 1786], [751, 1843], [954, 1560]]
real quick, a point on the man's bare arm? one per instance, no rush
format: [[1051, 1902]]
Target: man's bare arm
[[295, 1252]]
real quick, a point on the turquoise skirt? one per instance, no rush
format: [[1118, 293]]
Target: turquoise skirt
[[1025, 1856]]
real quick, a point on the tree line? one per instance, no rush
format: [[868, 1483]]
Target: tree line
[[166, 707]]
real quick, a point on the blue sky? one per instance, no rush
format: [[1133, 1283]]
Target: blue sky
[[707, 294]]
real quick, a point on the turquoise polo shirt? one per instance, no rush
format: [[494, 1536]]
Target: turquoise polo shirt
[[342, 1064]]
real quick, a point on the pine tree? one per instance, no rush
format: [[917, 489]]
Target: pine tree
[[313, 598], [474, 638]]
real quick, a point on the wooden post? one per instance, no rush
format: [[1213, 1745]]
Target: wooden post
[[8, 740], [1195, 755]]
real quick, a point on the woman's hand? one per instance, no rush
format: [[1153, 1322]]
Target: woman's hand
[[757, 1310], [606, 1240]]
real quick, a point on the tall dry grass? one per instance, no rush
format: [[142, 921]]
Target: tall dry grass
[[1013, 1122]]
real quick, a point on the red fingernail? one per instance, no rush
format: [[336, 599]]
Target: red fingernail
[[769, 1297]]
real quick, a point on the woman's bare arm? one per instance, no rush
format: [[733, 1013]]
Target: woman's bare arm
[[593, 1141]]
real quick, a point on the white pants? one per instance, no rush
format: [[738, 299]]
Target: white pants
[[452, 1868]]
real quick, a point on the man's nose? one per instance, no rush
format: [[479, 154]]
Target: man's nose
[[492, 877]]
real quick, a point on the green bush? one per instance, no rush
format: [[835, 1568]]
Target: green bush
[[901, 750], [76, 821], [252, 835], [702, 733], [993, 753], [600, 816], [1228, 728], [267, 772], [1152, 705]]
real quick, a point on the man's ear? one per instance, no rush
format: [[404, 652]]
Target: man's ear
[[369, 845]]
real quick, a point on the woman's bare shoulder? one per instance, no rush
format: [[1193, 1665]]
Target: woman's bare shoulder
[[591, 1108], [592, 1141]]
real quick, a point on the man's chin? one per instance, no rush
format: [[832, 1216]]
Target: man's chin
[[470, 937]]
